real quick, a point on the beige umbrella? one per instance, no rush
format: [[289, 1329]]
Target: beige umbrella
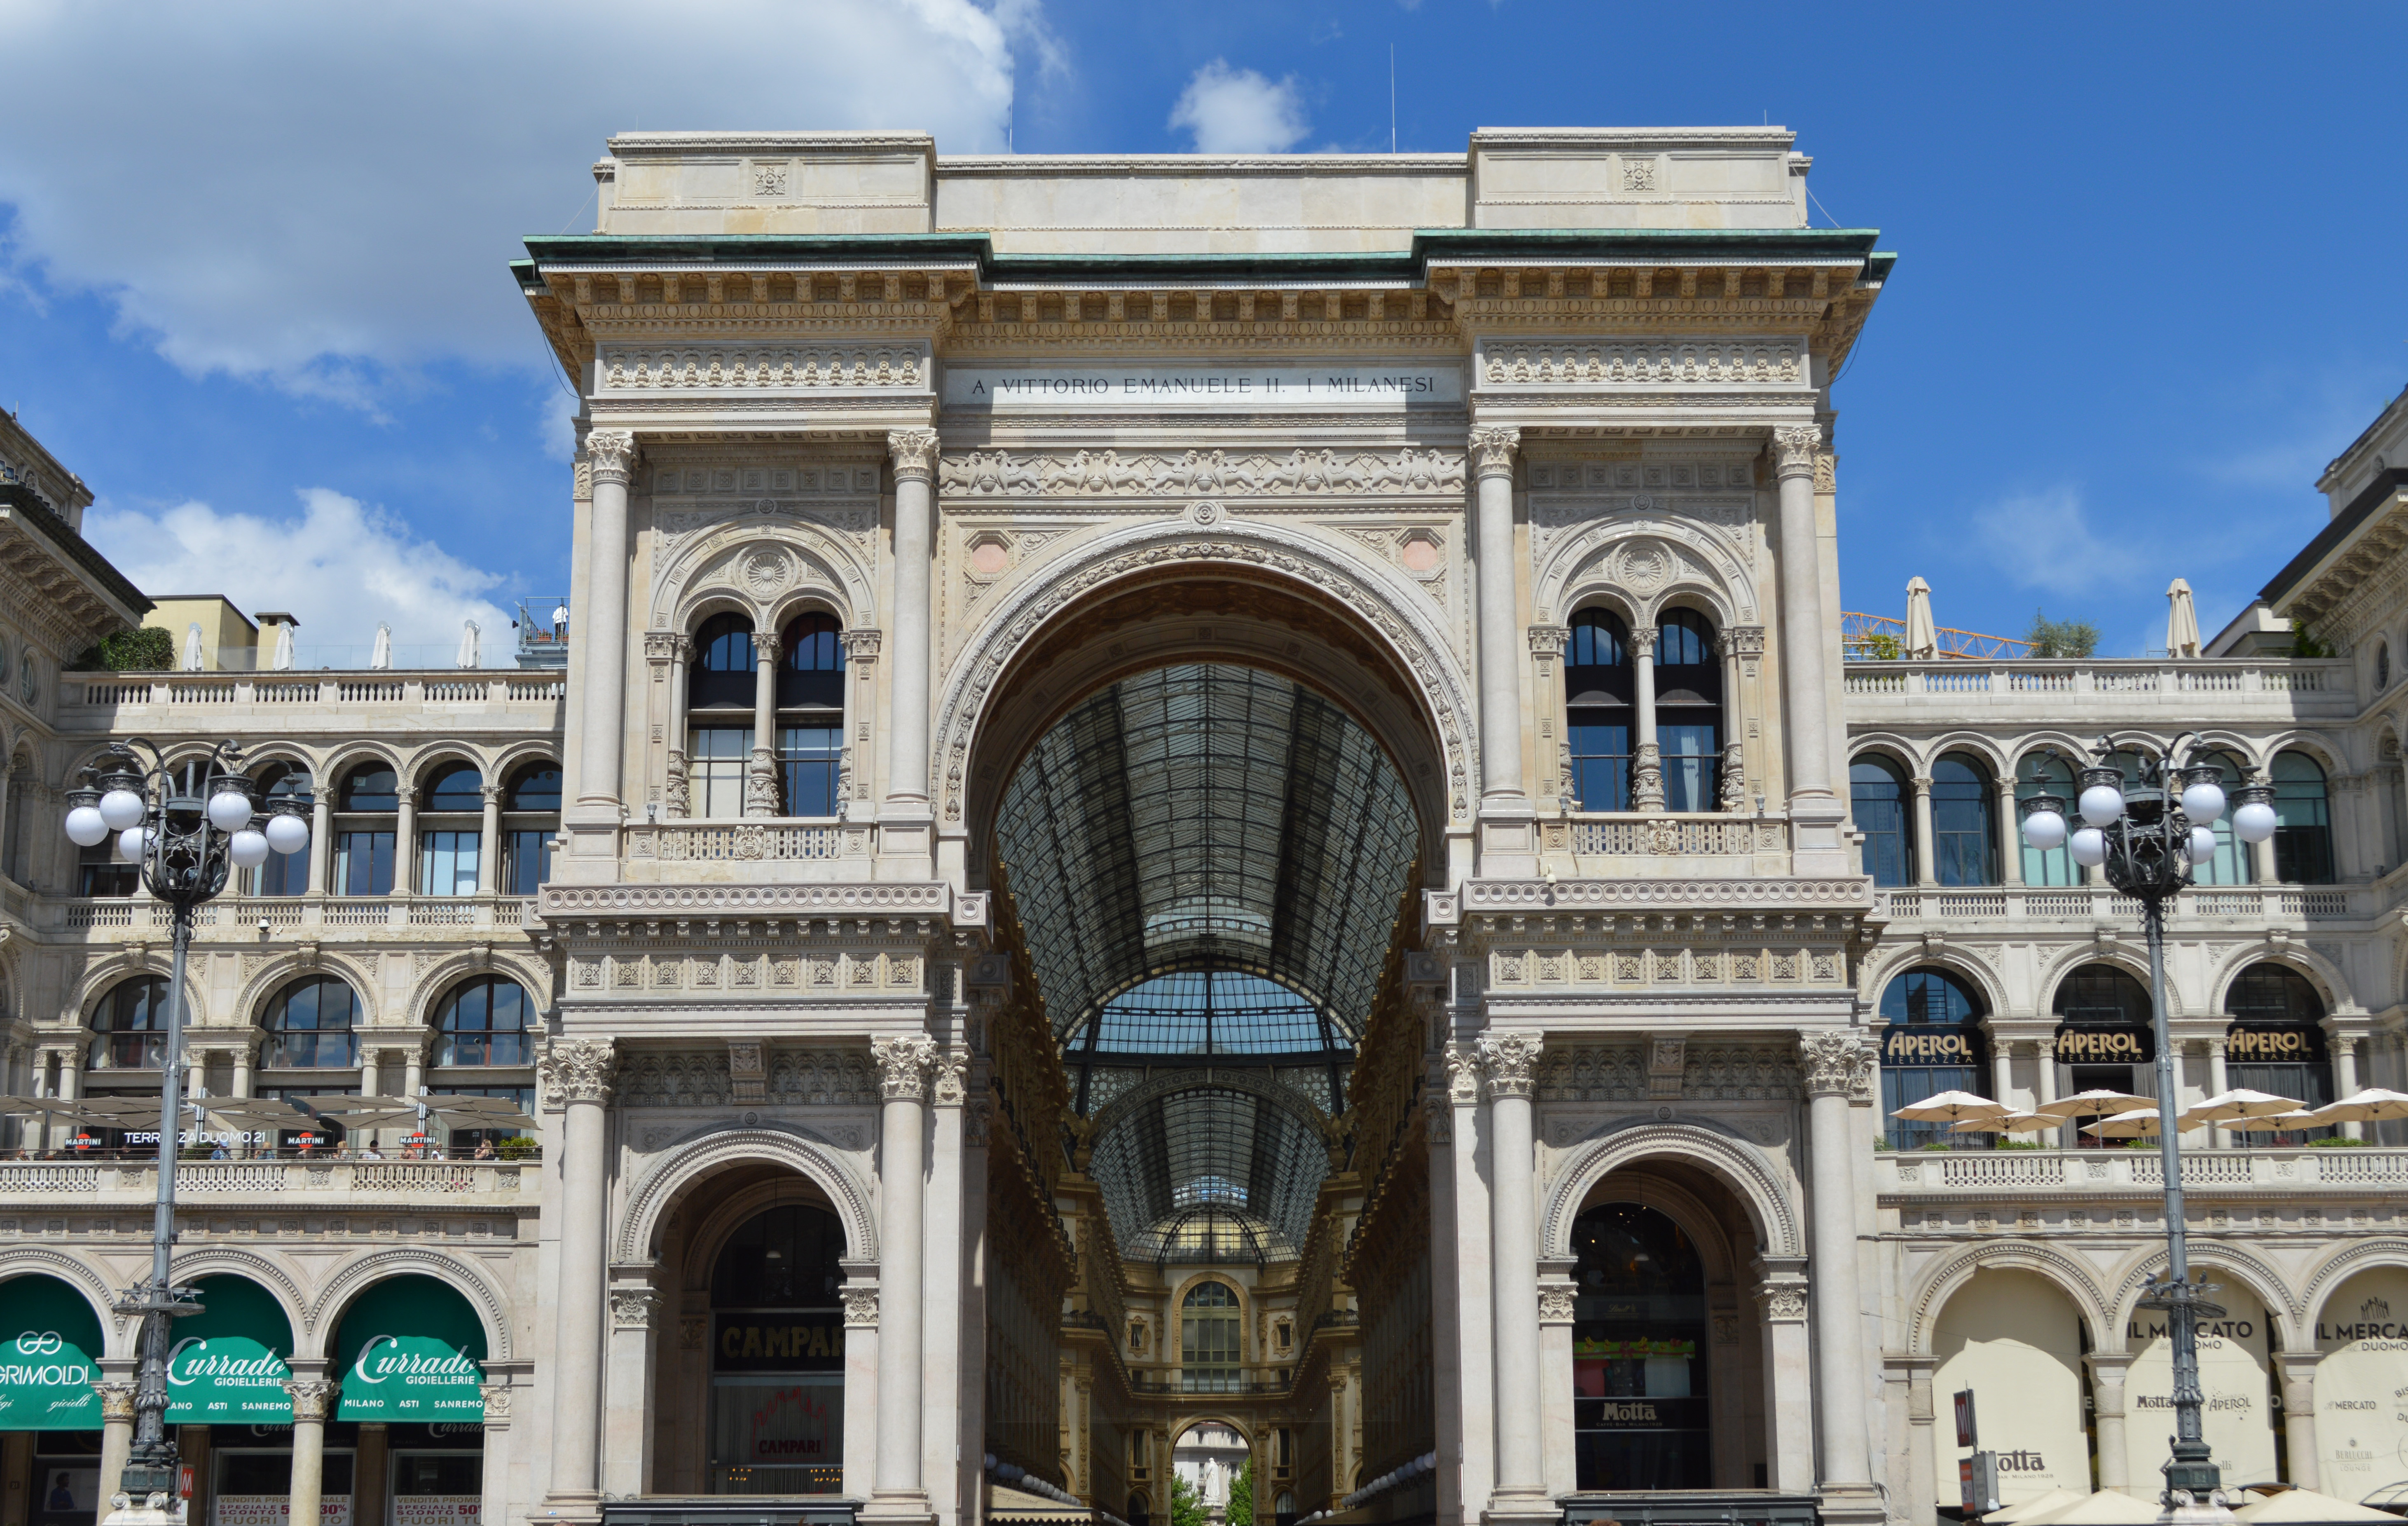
[[2083, 1104], [2012, 1123], [2240, 1103], [2038, 1504], [2300, 1506], [2372, 1105], [2138, 1123], [2181, 621], [1922, 641], [364, 1112], [455, 1112], [2275, 1123], [1951, 1107], [2108, 1507]]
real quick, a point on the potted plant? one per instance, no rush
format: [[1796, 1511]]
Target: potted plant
[[517, 1147]]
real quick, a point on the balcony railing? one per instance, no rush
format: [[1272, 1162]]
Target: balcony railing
[[128, 1181], [2141, 1171], [449, 686], [2323, 685], [2095, 903], [738, 841], [237, 916], [1677, 836]]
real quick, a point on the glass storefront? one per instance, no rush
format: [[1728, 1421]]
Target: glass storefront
[[1639, 1352], [777, 1356], [251, 1474], [437, 1475]]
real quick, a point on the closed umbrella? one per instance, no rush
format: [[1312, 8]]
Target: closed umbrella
[[2181, 621], [381, 656], [2140, 1123], [193, 647], [1922, 641], [469, 634], [2240, 1103], [2372, 1105], [2083, 1104], [284, 646], [1951, 1107]]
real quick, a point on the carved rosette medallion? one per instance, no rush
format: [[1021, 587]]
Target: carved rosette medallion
[[903, 1066], [1834, 1064], [611, 454], [1508, 1063], [577, 1070], [1492, 452], [914, 453], [1795, 447]]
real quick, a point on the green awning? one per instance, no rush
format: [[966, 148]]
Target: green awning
[[52, 1357], [227, 1364], [411, 1349]]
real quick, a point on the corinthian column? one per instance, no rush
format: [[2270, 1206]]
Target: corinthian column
[[1509, 1063], [914, 453], [895, 1489], [313, 1398], [1646, 751], [761, 775], [1837, 1066], [1806, 725], [576, 1075], [610, 456], [1501, 682]]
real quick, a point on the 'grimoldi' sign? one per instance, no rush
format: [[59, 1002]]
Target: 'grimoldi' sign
[[1182, 389]]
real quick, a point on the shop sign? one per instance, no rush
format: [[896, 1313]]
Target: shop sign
[[1930, 1043], [411, 1350], [768, 1343], [1640, 1413], [2286, 1044], [2232, 1359], [2362, 1384], [49, 1343], [275, 1510], [2080, 1045], [2014, 1343], [226, 1368], [436, 1509], [1632, 1350]]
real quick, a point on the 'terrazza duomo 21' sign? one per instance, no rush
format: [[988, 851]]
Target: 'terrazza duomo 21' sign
[[1174, 389]]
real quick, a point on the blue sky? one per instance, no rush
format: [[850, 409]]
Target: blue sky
[[252, 284]]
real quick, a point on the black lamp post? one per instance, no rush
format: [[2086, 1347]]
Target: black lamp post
[[2148, 834], [189, 827]]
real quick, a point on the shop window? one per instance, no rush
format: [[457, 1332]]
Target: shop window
[[1879, 799], [1964, 828], [309, 1024], [777, 1356], [1598, 716], [2105, 1040], [2276, 1043], [130, 1026], [1208, 1359], [2304, 843], [1688, 709], [1639, 1395], [1933, 1043]]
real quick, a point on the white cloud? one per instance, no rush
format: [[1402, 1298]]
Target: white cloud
[[320, 194], [340, 568], [1238, 111], [2044, 541]]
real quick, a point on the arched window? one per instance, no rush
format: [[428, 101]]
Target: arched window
[[485, 1021], [531, 819], [2037, 773], [21, 785], [1964, 829], [2303, 844], [2382, 666], [450, 831], [1638, 1344], [1933, 1043], [309, 1024], [2277, 1042], [284, 873], [130, 1025], [1878, 797], [2105, 1040], [1688, 709], [2233, 861], [719, 691], [364, 833], [811, 715], [1599, 714], [777, 1354], [1208, 1339]]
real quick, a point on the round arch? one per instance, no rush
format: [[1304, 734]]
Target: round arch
[[787, 607], [2341, 1265], [1635, 1182], [2266, 1283], [686, 1165], [1956, 958], [1165, 1085], [750, 569], [1995, 758], [1888, 747], [2129, 961], [1684, 557], [2319, 972], [1271, 599], [369, 1267], [438, 979], [280, 972], [105, 977], [341, 760], [271, 1277], [41, 1262], [425, 760], [1931, 1292], [1737, 1164]]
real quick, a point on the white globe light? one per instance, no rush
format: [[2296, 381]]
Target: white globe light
[[2088, 847], [287, 834], [2254, 822], [2202, 844], [2044, 829], [2204, 803], [129, 845], [229, 811], [2101, 804], [120, 809], [247, 848], [84, 826]]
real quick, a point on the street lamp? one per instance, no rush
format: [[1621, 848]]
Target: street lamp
[[189, 827], [2148, 835]]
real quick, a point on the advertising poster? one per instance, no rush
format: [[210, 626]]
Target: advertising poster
[[66, 1491], [2017, 1341], [2232, 1374], [275, 1510], [49, 1336], [2362, 1384], [437, 1509]]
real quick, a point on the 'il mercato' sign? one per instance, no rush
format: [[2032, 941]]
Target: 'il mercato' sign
[[1180, 390]]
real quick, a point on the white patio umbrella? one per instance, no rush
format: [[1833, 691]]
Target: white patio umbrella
[[382, 654], [2140, 1123], [1922, 641], [2372, 1105], [2240, 1103], [2181, 621], [2108, 1507], [469, 634], [193, 647], [1951, 1107], [284, 646], [2301, 1507], [2275, 1123], [2083, 1104], [2011, 1123], [2038, 1504]]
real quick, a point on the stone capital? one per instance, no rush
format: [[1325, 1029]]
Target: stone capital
[[1508, 1063], [1643, 641], [946, 1083], [1782, 1298], [860, 644], [634, 1308], [1492, 452], [1794, 448], [903, 1066], [860, 1307], [497, 1405], [1555, 1305], [577, 1070], [1834, 1063], [914, 453], [765, 646], [116, 1400], [313, 1398], [1548, 641], [611, 454]]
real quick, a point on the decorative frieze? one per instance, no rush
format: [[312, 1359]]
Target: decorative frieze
[[1734, 1072], [1512, 968], [761, 368], [1296, 473], [1661, 363]]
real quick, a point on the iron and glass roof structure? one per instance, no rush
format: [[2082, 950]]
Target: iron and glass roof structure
[[1207, 862]]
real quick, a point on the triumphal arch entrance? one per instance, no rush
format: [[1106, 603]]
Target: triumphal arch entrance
[[1201, 846]]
